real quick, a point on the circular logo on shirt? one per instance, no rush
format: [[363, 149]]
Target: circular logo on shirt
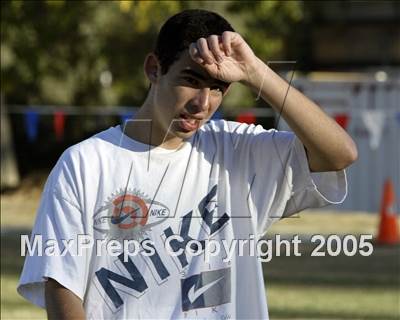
[[129, 212]]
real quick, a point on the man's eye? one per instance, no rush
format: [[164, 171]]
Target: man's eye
[[217, 89], [192, 81]]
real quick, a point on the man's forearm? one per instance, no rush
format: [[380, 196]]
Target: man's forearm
[[61, 303], [329, 147]]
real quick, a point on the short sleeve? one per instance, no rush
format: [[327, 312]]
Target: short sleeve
[[284, 184], [54, 243], [312, 189]]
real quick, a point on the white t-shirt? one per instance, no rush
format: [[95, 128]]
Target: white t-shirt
[[229, 182]]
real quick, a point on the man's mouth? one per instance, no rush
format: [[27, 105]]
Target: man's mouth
[[188, 123]]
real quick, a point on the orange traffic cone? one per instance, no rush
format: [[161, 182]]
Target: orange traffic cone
[[388, 228]]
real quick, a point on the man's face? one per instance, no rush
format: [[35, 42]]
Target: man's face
[[186, 97]]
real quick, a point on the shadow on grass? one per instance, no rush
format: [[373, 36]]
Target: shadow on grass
[[381, 269], [11, 259]]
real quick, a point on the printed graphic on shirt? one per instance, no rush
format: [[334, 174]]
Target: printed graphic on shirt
[[128, 215], [207, 289], [134, 284], [130, 277], [210, 223]]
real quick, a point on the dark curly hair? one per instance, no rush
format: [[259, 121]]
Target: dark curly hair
[[183, 28]]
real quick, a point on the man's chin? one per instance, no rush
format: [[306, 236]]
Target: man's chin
[[184, 134]]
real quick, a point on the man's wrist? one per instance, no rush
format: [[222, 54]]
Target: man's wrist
[[255, 75]]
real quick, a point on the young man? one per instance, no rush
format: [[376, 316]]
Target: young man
[[171, 182]]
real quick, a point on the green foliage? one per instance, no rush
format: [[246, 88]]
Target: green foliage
[[55, 52], [267, 24], [92, 52]]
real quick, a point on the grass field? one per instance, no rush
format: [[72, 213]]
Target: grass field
[[335, 287], [297, 287]]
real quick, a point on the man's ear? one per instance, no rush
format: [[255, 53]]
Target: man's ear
[[152, 67]]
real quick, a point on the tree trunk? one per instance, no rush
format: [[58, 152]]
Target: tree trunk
[[9, 170]]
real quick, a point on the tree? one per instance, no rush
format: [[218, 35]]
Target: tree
[[91, 52], [86, 53]]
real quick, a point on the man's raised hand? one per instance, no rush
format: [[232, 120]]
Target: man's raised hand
[[227, 57]]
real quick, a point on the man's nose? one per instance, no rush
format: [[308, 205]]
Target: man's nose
[[201, 100]]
